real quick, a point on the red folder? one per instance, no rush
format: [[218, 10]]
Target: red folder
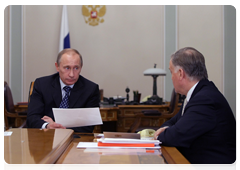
[[127, 144]]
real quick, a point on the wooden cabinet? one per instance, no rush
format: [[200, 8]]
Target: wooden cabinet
[[109, 118], [109, 114], [131, 110], [121, 118], [127, 113]]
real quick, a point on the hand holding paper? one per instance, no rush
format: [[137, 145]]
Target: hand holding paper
[[47, 119], [77, 117]]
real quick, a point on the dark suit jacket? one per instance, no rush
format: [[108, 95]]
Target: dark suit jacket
[[47, 94], [206, 133]]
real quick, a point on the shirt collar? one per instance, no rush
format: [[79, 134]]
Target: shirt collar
[[189, 94], [63, 85]]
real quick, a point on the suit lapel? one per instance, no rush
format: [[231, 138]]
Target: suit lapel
[[57, 93], [199, 86], [76, 92]]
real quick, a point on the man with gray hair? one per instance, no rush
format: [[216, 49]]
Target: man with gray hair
[[204, 130]]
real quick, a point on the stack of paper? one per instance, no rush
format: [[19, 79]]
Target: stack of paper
[[120, 143]]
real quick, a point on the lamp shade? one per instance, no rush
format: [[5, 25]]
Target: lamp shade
[[154, 71]]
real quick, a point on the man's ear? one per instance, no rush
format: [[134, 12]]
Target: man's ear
[[181, 73], [57, 68]]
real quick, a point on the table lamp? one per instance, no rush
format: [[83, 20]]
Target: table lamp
[[154, 72]]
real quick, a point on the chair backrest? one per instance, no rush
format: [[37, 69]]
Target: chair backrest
[[30, 90], [174, 101], [8, 99]]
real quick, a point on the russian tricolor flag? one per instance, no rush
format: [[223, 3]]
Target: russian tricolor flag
[[64, 33]]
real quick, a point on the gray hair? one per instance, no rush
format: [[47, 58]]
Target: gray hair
[[69, 50], [191, 61]]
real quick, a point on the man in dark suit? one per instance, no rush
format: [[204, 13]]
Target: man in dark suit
[[204, 130], [48, 92]]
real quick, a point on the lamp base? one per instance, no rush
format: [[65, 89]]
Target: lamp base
[[155, 100]]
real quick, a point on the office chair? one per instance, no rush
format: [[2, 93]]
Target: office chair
[[173, 109], [14, 116], [30, 90]]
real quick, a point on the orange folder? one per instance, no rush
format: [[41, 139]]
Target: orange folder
[[126, 144]]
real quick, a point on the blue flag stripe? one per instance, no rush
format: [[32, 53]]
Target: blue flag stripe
[[66, 42]]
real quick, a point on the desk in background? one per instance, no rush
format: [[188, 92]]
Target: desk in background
[[120, 119], [34, 146], [127, 113], [109, 118]]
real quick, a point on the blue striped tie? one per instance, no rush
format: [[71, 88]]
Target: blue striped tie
[[65, 100]]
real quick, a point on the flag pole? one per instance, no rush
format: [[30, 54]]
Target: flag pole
[[64, 41]]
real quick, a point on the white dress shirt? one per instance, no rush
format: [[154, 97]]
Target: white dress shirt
[[189, 94], [63, 94]]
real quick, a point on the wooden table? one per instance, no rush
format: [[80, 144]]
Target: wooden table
[[35, 146]]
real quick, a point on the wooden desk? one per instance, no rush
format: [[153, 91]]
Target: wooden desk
[[121, 118], [108, 114], [126, 116], [72, 155], [35, 146], [109, 118]]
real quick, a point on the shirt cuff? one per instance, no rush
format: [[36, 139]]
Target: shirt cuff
[[44, 125]]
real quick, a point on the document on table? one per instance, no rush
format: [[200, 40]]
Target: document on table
[[76, 117], [122, 140], [7, 133], [94, 145]]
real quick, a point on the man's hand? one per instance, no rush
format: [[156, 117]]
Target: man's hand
[[159, 131], [54, 125], [47, 119], [51, 124]]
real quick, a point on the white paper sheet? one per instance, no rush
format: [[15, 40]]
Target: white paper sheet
[[94, 145], [76, 117], [115, 150], [126, 151], [122, 140], [7, 133]]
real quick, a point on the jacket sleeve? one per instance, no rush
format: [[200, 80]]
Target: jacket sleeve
[[35, 108], [199, 117]]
